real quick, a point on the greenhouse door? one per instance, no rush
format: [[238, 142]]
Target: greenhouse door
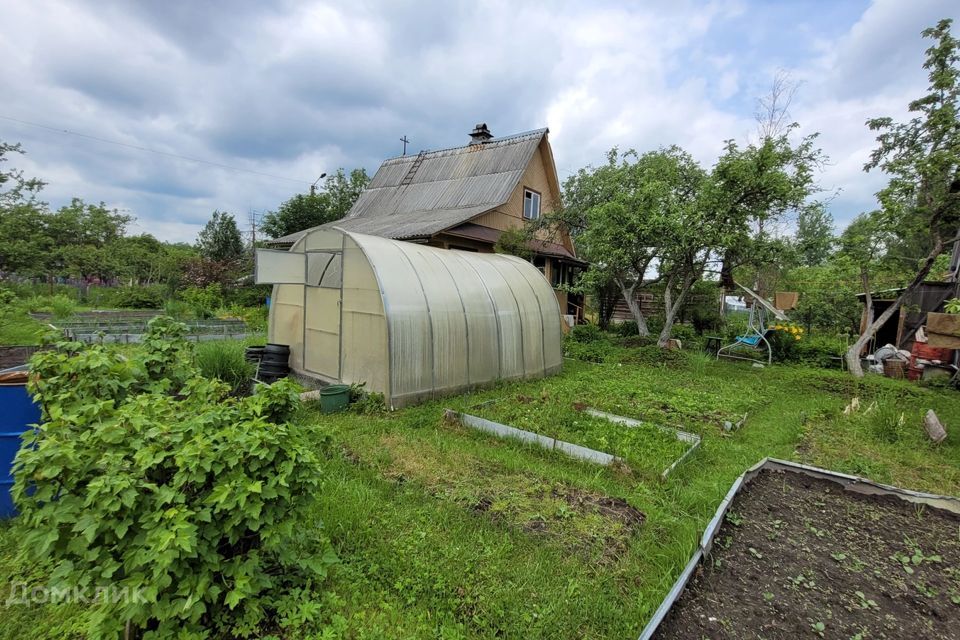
[[321, 326]]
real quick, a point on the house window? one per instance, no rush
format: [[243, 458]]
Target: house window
[[531, 204], [557, 273]]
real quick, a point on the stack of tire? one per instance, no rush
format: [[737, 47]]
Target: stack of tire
[[254, 354], [272, 361]]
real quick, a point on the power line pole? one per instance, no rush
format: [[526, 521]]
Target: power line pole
[[405, 143], [253, 229]]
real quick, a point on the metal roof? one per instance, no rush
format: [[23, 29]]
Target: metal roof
[[416, 196]]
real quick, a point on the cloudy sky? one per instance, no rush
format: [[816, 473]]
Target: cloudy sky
[[287, 90]]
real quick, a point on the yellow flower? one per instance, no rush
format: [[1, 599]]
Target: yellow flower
[[796, 337]]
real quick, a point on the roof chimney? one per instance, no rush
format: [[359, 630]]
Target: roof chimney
[[480, 134]]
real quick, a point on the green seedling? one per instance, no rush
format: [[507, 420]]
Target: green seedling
[[803, 581], [866, 603], [734, 518], [755, 553], [818, 628]]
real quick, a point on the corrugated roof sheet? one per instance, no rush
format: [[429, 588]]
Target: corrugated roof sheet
[[419, 195]]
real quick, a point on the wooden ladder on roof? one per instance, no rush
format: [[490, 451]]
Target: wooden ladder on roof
[[407, 179]]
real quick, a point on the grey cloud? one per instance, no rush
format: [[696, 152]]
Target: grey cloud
[[294, 88]]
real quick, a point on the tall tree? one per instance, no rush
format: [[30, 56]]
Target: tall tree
[[22, 238], [626, 207], [306, 210], [14, 187], [814, 238], [922, 158], [220, 239], [754, 187]]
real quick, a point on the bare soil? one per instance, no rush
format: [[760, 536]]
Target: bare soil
[[800, 557]]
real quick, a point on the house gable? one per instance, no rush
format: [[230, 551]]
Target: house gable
[[540, 176]]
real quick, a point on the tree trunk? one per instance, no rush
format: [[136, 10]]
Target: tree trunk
[[607, 297], [634, 307], [853, 353], [671, 308]]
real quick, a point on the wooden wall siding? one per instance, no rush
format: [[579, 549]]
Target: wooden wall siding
[[510, 215], [649, 305], [652, 304]]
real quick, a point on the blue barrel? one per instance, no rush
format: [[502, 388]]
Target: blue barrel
[[19, 412]]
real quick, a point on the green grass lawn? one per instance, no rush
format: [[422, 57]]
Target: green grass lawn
[[444, 532], [17, 328]]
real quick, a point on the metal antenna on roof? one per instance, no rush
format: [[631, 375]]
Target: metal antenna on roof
[[405, 143]]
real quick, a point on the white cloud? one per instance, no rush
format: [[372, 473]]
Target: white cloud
[[298, 88]]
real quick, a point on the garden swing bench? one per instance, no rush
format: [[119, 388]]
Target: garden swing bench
[[755, 337]]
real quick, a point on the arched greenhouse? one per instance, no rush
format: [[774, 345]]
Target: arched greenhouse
[[411, 321]]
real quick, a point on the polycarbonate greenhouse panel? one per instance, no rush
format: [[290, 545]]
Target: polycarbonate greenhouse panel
[[286, 320], [411, 321], [551, 331], [408, 316], [509, 337], [364, 354], [321, 352], [321, 240], [279, 267], [448, 326], [483, 335]]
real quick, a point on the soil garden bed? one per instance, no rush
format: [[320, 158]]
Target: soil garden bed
[[800, 557]]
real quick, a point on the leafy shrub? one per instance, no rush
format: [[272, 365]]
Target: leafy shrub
[[7, 296], [586, 333], [705, 319], [599, 350], [147, 479], [224, 360], [256, 319], [952, 305], [141, 297], [249, 296], [783, 342], [366, 403], [203, 301], [62, 306], [654, 355], [683, 332], [176, 309], [820, 351], [638, 341], [626, 329]]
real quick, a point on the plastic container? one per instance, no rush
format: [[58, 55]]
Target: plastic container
[[334, 397], [925, 351], [19, 412]]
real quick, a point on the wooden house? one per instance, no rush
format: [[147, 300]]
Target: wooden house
[[464, 198]]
